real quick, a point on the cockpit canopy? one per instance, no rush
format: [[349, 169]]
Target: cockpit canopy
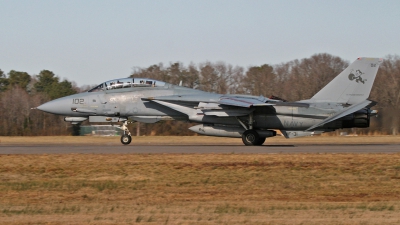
[[127, 83]]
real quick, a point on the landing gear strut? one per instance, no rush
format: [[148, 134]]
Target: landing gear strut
[[126, 136], [251, 137]]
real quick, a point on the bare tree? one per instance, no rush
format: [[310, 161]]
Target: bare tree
[[304, 78], [208, 77], [260, 80], [386, 91], [157, 72], [236, 80]]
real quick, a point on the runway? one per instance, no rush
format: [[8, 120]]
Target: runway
[[197, 149]]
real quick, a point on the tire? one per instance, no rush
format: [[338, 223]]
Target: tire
[[260, 141], [250, 137], [126, 139]]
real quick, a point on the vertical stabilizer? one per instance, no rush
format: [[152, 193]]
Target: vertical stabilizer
[[353, 85]]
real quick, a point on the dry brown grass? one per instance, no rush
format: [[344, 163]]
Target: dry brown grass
[[195, 140], [200, 189]]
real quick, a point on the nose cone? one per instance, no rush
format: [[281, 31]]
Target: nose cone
[[59, 106]]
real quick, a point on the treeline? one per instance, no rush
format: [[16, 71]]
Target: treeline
[[19, 92], [292, 81]]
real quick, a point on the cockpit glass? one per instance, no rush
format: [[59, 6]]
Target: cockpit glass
[[119, 83], [142, 82], [97, 88], [127, 83]]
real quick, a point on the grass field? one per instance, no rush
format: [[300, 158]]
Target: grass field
[[199, 188]]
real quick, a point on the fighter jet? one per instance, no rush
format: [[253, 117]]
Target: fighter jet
[[342, 103]]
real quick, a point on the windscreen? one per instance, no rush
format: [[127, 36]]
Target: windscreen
[[127, 83]]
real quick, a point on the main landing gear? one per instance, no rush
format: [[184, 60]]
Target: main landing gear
[[126, 137], [251, 137]]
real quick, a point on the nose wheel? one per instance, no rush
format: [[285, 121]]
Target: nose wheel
[[126, 137]]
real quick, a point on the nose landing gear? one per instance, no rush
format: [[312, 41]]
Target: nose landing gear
[[126, 137]]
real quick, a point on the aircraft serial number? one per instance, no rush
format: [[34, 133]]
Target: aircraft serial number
[[78, 101]]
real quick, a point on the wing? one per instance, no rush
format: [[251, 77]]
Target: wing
[[222, 106]]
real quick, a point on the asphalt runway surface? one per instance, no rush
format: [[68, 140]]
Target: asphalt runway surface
[[196, 149]]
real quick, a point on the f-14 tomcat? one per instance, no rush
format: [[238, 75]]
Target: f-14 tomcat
[[342, 103]]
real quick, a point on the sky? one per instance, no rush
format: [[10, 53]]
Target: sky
[[93, 41]]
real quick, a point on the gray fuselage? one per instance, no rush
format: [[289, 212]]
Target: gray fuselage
[[131, 103]]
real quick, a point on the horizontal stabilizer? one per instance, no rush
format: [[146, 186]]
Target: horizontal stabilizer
[[340, 114]]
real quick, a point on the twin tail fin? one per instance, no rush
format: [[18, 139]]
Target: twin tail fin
[[353, 85]]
